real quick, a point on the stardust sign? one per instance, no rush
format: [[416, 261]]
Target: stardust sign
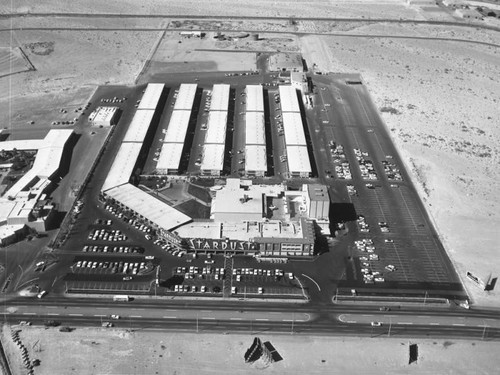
[[210, 244]]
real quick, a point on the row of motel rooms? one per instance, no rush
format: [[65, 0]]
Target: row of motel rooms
[[167, 219]]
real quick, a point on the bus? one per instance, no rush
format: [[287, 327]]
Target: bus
[[121, 298]]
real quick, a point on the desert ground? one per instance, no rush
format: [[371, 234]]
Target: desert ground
[[439, 98], [109, 351]]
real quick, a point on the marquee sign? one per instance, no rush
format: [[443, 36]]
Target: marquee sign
[[211, 244]]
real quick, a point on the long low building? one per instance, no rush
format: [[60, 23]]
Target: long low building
[[294, 129], [147, 207], [185, 96], [255, 160], [139, 126], [213, 159], [255, 98], [123, 165], [104, 116], [217, 124], [177, 126], [220, 97], [170, 158], [299, 164], [152, 96], [255, 131], [289, 100], [47, 161]]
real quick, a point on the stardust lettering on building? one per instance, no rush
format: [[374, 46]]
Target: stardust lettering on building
[[208, 244]]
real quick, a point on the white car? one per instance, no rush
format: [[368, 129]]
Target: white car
[[376, 324], [115, 317]]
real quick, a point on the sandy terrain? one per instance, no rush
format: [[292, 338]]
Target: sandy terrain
[[110, 351], [447, 102]]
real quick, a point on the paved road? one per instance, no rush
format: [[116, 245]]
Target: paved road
[[244, 317]]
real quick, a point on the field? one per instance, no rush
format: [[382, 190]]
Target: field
[[111, 351]]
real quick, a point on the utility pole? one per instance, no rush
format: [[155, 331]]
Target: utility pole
[[484, 330]]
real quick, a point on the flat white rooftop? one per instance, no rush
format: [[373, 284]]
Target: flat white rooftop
[[255, 132], [298, 159], [288, 97], [123, 165], [139, 126], [104, 115], [185, 97], [177, 126], [255, 158], [216, 132], [170, 156], [149, 207], [294, 130], [47, 160], [151, 96], [213, 157], [254, 98], [220, 97]]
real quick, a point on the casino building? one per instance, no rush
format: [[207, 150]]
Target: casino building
[[259, 220]]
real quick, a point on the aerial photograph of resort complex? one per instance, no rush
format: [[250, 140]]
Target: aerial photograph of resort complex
[[233, 187]]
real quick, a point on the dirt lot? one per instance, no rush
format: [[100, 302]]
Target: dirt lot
[[440, 101], [110, 351]]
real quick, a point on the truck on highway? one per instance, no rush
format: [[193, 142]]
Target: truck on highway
[[121, 298]]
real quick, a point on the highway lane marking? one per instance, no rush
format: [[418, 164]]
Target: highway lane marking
[[262, 319], [99, 315], [53, 314], [29, 313], [405, 323], [170, 317], [207, 318], [350, 321], [137, 309], [458, 324], [52, 307], [434, 324], [170, 310], [102, 308], [235, 318], [136, 316], [75, 314]]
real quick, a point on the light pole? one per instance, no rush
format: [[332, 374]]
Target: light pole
[[425, 297], [390, 326], [484, 330]]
